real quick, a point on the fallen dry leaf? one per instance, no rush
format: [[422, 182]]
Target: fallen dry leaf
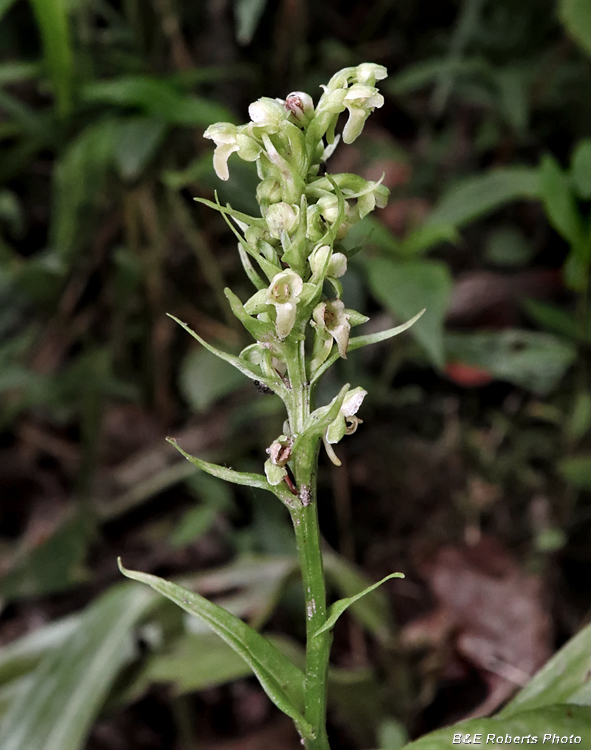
[[488, 613]]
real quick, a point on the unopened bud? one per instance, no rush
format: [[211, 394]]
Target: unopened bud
[[300, 105]]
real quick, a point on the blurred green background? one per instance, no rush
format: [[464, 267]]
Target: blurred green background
[[474, 460]]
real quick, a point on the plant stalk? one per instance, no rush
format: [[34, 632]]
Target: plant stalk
[[304, 516]]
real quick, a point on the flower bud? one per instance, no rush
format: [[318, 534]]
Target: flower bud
[[337, 266], [318, 262], [301, 106], [280, 218], [267, 113], [269, 191], [329, 207]]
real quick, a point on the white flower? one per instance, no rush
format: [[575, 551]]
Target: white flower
[[284, 293], [360, 100], [332, 317], [346, 423], [229, 138]]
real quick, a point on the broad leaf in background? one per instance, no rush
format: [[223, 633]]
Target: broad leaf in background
[[576, 16], [55, 709], [204, 378], [477, 196], [52, 19], [532, 360], [248, 14], [280, 678], [564, 679], [195, 661], [78, 181], [405, 288], [563, 720], [560, 204], [158, 98], [577, 470], [136, 143], [19, 657], [56, 564], [581, 168]]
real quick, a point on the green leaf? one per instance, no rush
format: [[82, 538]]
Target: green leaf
[[55, 710], [258, 329], [407, 286], [552, 317], [54, 565], [576, 16], [280, 678], [157, 98], [357, 342], [236, 362], [559, 202], [507, 246], [204, 379], [248, 14], [137, 141], [563, 720], [532, 360], [426, 237], [79, 177], [577, 470], [52, 20], [337, 609], [579, 421], [20, 657], [477, 196], [374, 613], [581, 168], [563, 679], [228, 475], [5, 6]]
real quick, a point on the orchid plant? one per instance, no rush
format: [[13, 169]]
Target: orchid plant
[[294, 257]]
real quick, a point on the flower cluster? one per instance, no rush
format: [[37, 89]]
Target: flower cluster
[[293, 253]]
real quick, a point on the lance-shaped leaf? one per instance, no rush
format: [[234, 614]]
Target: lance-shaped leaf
[[337, 609], [229, 211], [280, 678], [316, 424], [564, 720], [222, 472], [55, 709], [246, 479], [258, 329], [236, 362], [357, 342], [250, 269]]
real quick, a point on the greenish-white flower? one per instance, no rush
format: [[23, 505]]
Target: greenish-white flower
[[281, 217], [331, 317], [370, 73], [346, 423], [269, 114], [284, 293], [360, 100], [228, 139]]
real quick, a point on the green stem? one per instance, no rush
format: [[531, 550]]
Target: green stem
[[304, 515]]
